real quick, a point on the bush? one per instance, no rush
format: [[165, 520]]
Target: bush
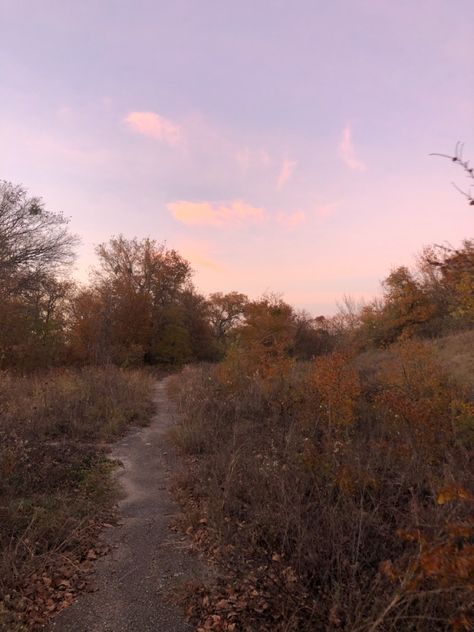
[[336, 502]]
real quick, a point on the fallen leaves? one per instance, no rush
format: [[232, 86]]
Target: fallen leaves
[[43, 595]]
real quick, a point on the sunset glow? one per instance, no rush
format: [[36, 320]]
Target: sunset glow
[[283, 147]]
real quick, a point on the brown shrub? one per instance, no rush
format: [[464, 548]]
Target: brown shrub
[[361, 490]]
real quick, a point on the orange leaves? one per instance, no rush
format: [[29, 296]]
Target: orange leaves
[[448, 563], [452, 492], [441, 563], [414, 398], [260, 358], [266, 337], [443, 560], [337, 385], [327, 481]]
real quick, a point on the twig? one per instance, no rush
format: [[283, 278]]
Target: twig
[[457, 158]]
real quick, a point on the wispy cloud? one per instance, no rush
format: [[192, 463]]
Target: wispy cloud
[[291, 220], [155, 126], [248, 158], [286, 172], [234, 213], [347, 151]]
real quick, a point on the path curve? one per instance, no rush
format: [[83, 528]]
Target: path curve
[[135, 579]]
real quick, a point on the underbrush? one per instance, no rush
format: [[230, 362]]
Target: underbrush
[[55, 485], [332, 496]]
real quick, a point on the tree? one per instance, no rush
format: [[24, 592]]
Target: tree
[[196, 318], [33, 242], [144, 266], [405, 310], [451, 271], [312, 336], [225, 313], [136, 294], [35, 250], [266, 337]]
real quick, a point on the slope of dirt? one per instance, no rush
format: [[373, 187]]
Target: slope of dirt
[[135, 580]]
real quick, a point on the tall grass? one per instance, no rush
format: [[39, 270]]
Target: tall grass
[[55, 484], [337, 498]]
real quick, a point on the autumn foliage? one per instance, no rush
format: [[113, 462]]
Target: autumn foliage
[[329, 469], [357, 486]]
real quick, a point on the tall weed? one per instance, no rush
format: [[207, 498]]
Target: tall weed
[[359, 490]]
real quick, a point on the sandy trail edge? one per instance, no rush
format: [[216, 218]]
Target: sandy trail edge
[[135, 579]]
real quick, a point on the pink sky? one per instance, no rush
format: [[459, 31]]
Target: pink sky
[[279, 147]]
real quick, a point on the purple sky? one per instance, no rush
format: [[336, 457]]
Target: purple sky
[[278, 146]]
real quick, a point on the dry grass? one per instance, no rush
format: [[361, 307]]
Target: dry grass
[[457, 356], [55, 487], [336, 498]]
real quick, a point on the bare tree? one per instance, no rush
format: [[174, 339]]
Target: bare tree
[[458, 158], [33, 242]]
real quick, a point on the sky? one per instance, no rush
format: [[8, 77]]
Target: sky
[[278, 146]]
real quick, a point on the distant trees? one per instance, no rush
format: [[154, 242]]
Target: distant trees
[[268, 326], [226, 311], [313, 336], [269, 335], [140, 305]]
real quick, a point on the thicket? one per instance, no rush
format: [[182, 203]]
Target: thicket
[[335, 494]]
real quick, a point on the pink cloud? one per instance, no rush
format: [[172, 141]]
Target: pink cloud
[[214, 214], [287, 169], [291, 220], [347, 151], [155, 126]]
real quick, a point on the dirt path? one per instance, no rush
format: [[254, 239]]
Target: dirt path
[[135, 579]]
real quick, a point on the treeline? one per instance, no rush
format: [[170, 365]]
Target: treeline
[[140, 306], [434, 299]]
